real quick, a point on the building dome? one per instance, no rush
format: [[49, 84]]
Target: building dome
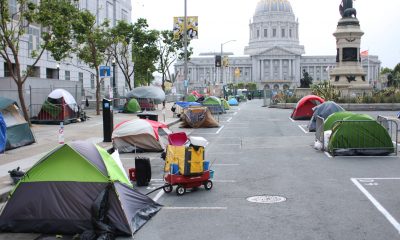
[[268, 6]]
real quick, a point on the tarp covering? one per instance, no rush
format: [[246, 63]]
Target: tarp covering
[[3, 134], [18, 131], [359, 134], [198, 117], [304, 107], [56, 195], [191, 98], [323, 110], [145, 134], [233, 102], [187, 104], [214, 104], [149, 92], [225, 104], [132, 106]]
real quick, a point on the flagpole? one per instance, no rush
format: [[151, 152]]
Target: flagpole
[[369, 78]]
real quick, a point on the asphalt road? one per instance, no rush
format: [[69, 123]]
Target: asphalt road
[[259, 151]]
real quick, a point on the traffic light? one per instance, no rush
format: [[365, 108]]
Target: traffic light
[[225, 61], [217, 61]]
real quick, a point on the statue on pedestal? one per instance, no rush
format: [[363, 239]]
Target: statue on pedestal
[[346, 9]]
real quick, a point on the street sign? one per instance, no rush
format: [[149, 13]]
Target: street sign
[[105, 71]]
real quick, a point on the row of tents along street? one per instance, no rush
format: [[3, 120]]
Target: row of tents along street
[[345, 133], [77, 188], [14, 129]]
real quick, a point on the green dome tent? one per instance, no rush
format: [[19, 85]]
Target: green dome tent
[[132, 106], [59, 194], [359, 134], [214, 104], [337, 116]]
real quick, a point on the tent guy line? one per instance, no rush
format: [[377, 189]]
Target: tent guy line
[[375, 202]]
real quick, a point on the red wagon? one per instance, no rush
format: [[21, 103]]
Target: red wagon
[[183, 182]]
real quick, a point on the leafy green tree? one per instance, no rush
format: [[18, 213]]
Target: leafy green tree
[[144, 51], [306, 81], [170, 50], [120, 49], [55, 18], [92, 42]]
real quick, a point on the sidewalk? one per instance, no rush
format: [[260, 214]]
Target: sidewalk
[[47, 139]]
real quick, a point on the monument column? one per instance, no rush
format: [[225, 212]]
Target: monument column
[[271, 68], [280, 69], [348, 74]]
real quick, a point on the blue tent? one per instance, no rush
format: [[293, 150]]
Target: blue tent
[[187, 104], [3, 136], [233, 102]]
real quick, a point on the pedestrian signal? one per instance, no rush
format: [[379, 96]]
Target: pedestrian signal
[[218, 61]]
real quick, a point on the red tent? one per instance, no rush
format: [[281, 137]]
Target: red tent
[[304, 108]]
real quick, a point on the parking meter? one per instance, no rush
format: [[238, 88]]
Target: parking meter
[[108, 123]]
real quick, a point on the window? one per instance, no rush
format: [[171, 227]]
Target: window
[[80, 77], [7, 72], [274, 32], [34, 35], [13, 6], [67, 75], [124, 15], [33, 71], [265, 32], [110, 13], [258, 33], [92, 81], [283, 32], [290, 33]]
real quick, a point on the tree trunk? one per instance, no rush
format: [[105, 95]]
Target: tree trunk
[[163, 87], [22, 101], [97, 91]]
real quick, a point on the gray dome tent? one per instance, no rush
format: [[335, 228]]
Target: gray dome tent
[[323, 110], [149, 92]]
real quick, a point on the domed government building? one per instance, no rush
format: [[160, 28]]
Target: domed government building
[[274, 56]]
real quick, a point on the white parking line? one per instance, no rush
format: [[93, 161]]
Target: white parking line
[[291, 119], [234, 113], [301, 127], [328, 154], [159, 194], [219, 130], [195, 208], [229, 119], [380, 208]]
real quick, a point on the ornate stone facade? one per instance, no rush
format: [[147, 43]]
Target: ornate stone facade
[[274, 55]]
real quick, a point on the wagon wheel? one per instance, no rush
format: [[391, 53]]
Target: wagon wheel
[[167, 188], [208, 185], [180, 190]]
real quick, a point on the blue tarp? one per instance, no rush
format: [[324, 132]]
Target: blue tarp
[[187, 104], [233, 102], [3, 136]]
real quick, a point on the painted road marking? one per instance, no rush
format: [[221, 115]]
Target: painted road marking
[[229, 119], [195, 208], [291, 119], [159, 194], [328, 154], [380, 208], [219, 130], [235, 113], [301, 127]]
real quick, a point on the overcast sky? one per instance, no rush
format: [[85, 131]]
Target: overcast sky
[[224, 20]]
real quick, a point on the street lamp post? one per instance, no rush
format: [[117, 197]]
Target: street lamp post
[[113, 82], [148, 77], [58, 71], [222, 59]]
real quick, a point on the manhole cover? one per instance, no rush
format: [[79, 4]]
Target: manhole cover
[[266, 199]]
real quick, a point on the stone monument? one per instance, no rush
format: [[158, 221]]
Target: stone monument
[[348, 75]]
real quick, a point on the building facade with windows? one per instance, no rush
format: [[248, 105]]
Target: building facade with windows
[[274, 57], [70, 73]]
